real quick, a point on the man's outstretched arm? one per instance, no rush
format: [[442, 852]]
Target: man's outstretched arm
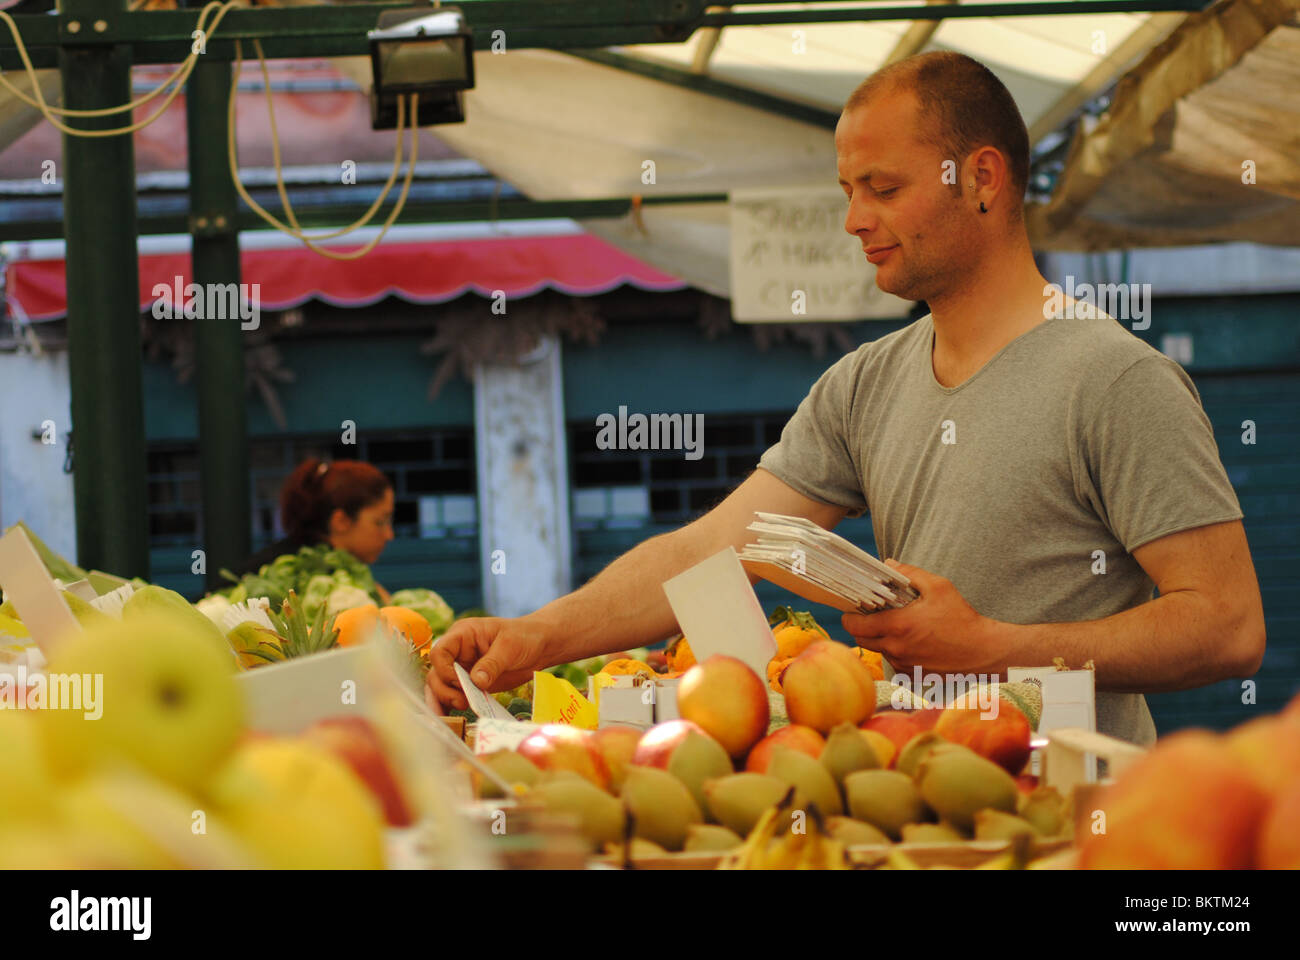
[[623, 606]]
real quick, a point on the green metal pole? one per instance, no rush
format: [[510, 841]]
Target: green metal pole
[[219, 340], [104, 358]]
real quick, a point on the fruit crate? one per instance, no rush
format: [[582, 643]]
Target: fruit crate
[[965, 855]]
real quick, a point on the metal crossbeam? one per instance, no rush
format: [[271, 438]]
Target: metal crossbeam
[[166, 36]]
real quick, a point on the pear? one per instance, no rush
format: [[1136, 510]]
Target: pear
[[852, 832], [847, 751], [931, 833], [886, 799], [662, 806], [600, 816], [809, 778], [959, 783], [703, 837], [998, 825], [696, 759], [512, 767], [1046, 810], [739, 800], [920, 747], [642, 849]]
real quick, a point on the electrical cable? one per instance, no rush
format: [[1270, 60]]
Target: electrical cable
[[279, 173], [294, 231], [179, 76]]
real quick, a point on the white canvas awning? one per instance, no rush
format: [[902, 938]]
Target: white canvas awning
[[1201, 144], [562, 127]]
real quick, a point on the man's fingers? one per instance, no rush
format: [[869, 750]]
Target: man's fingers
[[869, 625], [918, 575], [447, 695]]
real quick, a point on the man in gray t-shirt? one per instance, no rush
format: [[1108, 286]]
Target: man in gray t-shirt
[[1008, 455], [1028, 485]]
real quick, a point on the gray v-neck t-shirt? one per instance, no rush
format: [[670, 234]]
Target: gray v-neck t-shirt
[[1077, 437]]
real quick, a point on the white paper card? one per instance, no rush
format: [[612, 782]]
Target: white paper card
[[482, 704], [719, 613], [491, 734], [28, 584], [1069, 701]]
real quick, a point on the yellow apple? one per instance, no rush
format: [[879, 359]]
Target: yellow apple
[[125, 820], [26, 790], [299, 807], [164, 701]]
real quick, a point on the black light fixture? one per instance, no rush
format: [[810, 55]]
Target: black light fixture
[[426, 51]]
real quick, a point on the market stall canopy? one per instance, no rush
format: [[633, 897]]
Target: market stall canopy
[[419, 264], [1201, 144], [751, 106]]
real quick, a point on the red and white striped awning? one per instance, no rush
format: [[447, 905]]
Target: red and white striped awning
[[420, 264]]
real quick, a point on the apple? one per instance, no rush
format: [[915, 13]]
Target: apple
[[165, 701], [898, 725], [27, 788], [655, 747], [356, 741], [826, 685], [121, 819], [616, 746], [795, 736], [729, 700], [558, 746], [1270, 748], [297, 806]]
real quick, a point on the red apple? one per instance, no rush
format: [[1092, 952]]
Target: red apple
[[826, 685], [1001, 736], [898, 725], [616, 746], [797, 737], [355, 741], [729, 700], [558, 746], [926, 717], [657, 744]]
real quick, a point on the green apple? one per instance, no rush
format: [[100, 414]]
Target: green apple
[[168, 702]]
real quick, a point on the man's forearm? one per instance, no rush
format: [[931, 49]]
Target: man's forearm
[[624, 605], [1174, 642]]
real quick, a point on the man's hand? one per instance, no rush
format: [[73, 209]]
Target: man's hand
[[500, 654], [939, 631]]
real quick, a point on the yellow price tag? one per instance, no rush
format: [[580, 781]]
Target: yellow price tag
[[555, 700]]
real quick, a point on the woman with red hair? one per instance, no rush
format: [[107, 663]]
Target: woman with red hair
[[347, 504]]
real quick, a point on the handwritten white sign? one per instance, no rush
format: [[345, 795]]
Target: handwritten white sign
[[792, 261]]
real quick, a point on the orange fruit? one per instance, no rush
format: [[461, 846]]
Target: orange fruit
[[874, 661], [409, 624], [626, 665], [355, 625], [774, 668]]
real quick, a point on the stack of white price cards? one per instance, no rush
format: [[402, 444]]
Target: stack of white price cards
[[821, 566]]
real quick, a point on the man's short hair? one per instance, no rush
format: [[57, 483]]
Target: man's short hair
[[963, 106]]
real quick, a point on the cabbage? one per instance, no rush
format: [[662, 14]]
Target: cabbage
[[427, 604], [344, 597]]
